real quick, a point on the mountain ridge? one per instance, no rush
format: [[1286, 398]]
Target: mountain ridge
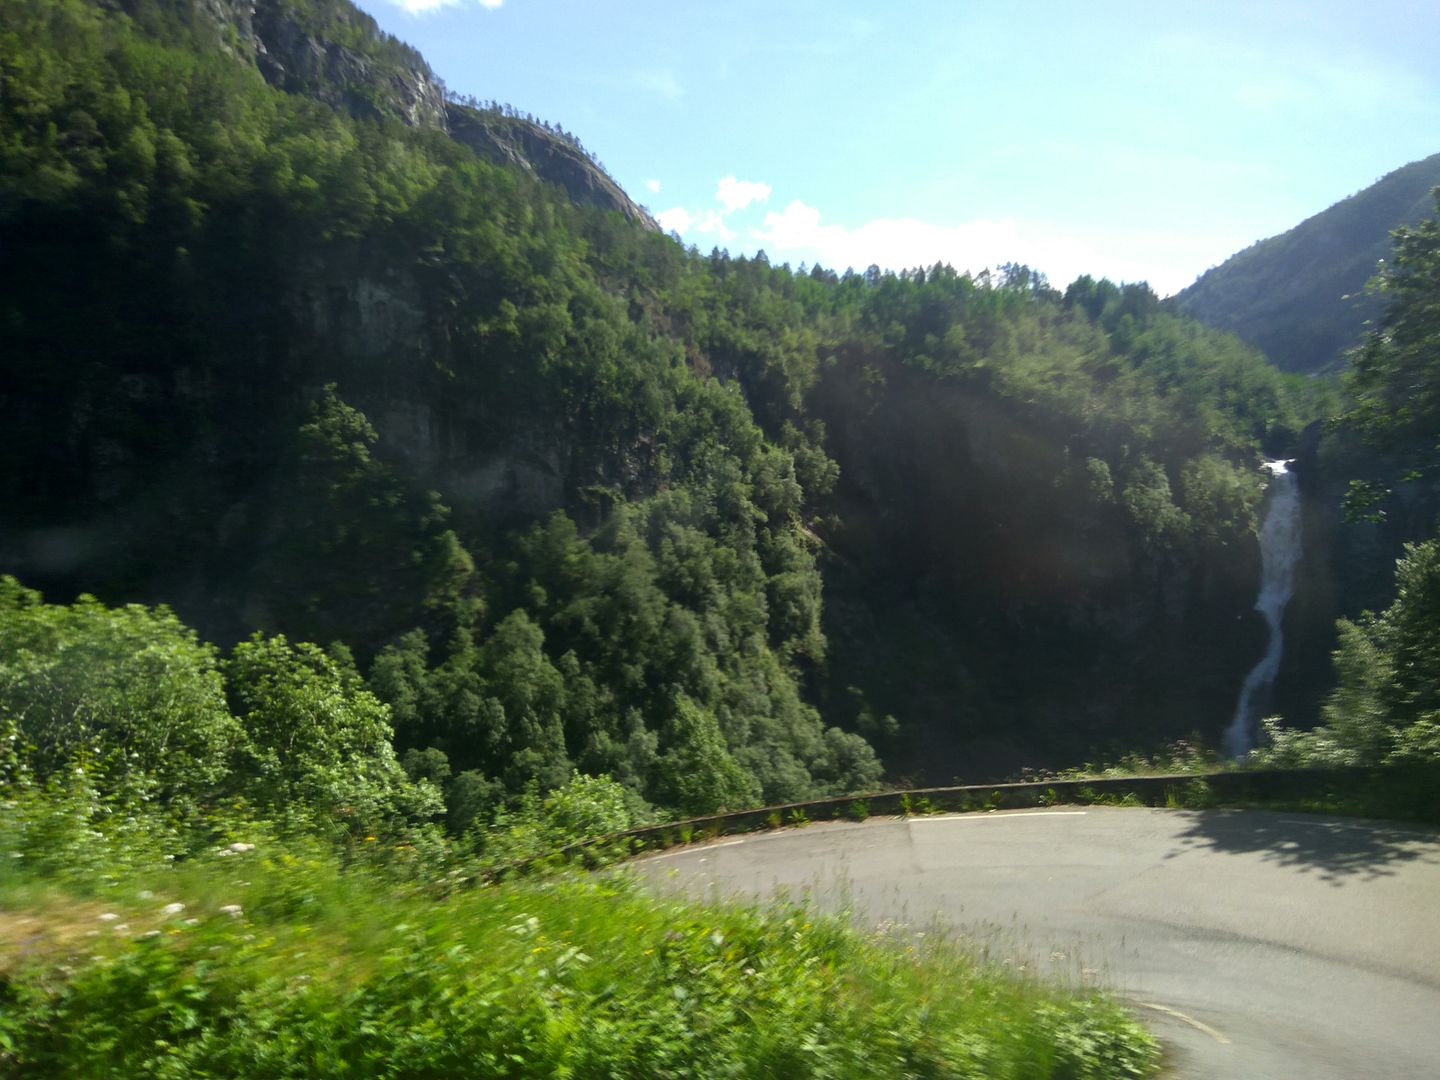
[[1300, 296], [336, 53]]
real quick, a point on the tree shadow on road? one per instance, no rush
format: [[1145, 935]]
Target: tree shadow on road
[[1337, 850]]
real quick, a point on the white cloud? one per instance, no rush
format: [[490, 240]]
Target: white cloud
[[733, 196], [712, 222], [676, 219], [737, 194], [705, 222], [653, 185], [1169, 260], [892, 243]]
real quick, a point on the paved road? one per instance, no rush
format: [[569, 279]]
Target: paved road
[[1256, 945]]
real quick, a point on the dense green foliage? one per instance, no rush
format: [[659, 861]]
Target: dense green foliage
[[128, 709], [1301, 296], [226, 465], [130, 691], [253, 924], [1394, 378], [1386, 707], [572, 495]]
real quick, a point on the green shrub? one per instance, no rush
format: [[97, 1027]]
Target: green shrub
[[129, 694], [294, 967], [586, 808], [319, 743]]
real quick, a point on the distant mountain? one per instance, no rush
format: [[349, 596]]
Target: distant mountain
[[1287, 294], [331, 51]]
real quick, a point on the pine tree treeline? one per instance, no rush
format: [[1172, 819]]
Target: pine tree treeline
[[505, 110], [604, 549]]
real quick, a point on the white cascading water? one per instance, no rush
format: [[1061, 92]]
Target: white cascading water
[[1279, 552]]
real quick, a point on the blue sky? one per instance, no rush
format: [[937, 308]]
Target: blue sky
[[1136, 140]]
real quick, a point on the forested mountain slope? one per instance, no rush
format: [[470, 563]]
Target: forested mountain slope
[[1300, 296], [285, 354], [335, 53]]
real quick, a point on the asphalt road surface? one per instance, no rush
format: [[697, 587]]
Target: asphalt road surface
[[1256, 945]]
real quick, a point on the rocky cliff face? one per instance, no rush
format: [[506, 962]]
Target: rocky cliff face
[[301, 60], [335, 53], [509, 140], [356, 315]]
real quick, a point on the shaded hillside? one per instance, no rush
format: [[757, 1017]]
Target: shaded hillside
[[565, 490], [1300, 296]]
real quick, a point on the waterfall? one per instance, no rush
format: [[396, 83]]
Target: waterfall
[[1280, 544]]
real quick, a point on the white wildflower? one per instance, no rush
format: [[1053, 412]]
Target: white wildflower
[[233, 910], [109, 916], [172, 909], [241, 847]]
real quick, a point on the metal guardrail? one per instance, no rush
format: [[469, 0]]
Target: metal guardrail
[[1148, 790]]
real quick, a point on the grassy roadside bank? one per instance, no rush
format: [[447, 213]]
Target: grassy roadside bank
[[262, 956], [274, 961]]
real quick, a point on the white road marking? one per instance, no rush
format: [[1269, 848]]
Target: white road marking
[[1196, 1024], [992, 817], [687, 850]]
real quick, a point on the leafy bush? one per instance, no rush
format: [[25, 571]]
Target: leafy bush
[[319, 743], [129, 694], [585, 808], [1386, 708]]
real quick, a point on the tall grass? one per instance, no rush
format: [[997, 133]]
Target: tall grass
[[282, 963]]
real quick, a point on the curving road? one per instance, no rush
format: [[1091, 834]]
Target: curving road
[[1257, 945]]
